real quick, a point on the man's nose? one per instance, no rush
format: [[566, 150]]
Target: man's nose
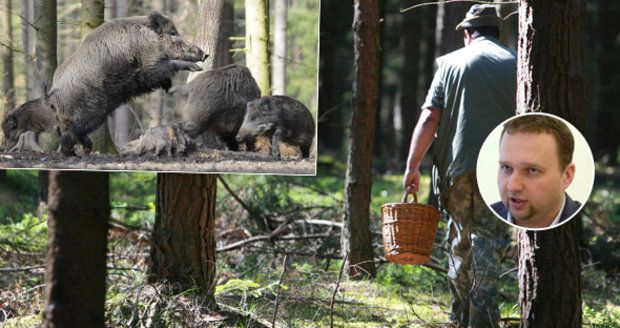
[[515, 182]]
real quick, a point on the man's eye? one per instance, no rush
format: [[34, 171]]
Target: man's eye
[[504, 168], [533, 170]]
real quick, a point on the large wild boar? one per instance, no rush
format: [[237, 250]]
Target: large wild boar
[[215, 101], [119, 60]]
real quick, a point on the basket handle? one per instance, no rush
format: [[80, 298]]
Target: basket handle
[[409, 191]]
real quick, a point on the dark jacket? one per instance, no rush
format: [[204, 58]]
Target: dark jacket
[[569, 209]]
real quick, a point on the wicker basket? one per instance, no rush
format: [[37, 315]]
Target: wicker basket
[[409, 230]]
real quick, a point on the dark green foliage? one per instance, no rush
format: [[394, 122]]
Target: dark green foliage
[[19, 195]]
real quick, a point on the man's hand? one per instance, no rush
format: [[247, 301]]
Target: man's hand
[[411, 180]]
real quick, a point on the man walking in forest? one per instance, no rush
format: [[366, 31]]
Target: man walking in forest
[[472, 92]]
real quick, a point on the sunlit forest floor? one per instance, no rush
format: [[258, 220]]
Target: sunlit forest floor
[[254, 281]]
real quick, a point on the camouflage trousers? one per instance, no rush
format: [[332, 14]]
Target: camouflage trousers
[[474, 241]]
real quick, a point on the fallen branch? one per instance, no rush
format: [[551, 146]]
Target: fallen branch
[[267, 237], [22, 269], [245, 206]]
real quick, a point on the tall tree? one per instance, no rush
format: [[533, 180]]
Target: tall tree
[[356, 239], [183, 241], [336, 18], [46, 61], [279, 58], [92, 13], [6, 52], [121, 120], [27, 13], [551, 78], [257, 43], [448, 16], [76, 253]]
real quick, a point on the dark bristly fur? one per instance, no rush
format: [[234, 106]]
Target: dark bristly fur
[[121, 59], [281, 118], [215, 101], [33, 115]]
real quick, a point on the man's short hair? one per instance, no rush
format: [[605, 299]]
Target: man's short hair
[[545, 124], [478, 31]]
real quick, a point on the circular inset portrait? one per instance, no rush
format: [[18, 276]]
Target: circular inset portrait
[[535, 171]]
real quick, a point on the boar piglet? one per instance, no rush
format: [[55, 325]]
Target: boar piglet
[[119, 60], [214, 102], [283, 119], [32, 116]]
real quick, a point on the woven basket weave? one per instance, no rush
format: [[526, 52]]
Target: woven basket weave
[[408, 230]]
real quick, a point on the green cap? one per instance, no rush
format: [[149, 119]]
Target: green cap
[[480, 15]]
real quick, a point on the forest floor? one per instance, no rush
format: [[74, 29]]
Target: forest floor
[[204, 161], [296, 276]]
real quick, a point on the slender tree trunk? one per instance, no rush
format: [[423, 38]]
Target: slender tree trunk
[[27, 13], [448, 16], [333, 81], [122, 117], [407, 108], [76, 257], [183, 242], [44, 13], [257, 43], [6, 49], [551, 78], [92, 16], [279, 57], [356, 238]]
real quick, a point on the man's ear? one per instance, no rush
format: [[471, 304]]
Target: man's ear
[[568, 175]]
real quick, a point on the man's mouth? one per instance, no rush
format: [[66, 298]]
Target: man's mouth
[[516, 203]]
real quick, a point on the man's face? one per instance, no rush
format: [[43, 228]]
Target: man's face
[[530, 180]]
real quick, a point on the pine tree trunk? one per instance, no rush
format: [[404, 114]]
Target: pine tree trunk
[[183, 241], [183, 249], [257, 43], [551, 78], [44, 13], [6, 49], [356, 238], [76, 258], [407, 109], [27, 12], [279, 48]]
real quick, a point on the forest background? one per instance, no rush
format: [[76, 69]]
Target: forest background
[[304, 272]]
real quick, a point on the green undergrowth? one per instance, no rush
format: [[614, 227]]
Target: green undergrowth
[[248, 280]]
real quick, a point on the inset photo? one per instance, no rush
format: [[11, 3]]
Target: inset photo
[[535, 171], [197, 88]]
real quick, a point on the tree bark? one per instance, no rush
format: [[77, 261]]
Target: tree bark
[[6, 49], [183, 242], [356, 238], [279, 57], [92, 13], [76, 257], [551, 78], [27, 13], [257, 43], [45, 61], [183, 249]]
